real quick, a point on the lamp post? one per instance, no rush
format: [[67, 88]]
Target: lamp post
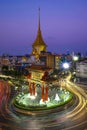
[[66, 67], [75, 59]]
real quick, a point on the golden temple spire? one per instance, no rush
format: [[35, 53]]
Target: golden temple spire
[[39, 34], [39, 44], [39, 39], [39, 20]]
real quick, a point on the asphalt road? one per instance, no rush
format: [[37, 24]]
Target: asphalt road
[[72, 118]]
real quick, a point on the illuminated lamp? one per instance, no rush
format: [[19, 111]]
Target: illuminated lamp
[[66, 65], [75, 58]]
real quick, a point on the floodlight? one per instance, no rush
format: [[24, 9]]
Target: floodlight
[[65, 65]]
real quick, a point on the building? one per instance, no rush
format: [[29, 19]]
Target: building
[[81, 70], [39, 44], [48, 59], [57, 61]]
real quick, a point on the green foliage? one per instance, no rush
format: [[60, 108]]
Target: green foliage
[[43, 107]]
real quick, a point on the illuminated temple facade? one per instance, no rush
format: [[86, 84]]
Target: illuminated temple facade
[[39, 44]]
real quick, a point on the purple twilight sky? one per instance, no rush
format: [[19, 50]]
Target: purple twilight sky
[[63, 25]]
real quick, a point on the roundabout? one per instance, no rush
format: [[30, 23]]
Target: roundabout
[[69, 116], [56, 97]]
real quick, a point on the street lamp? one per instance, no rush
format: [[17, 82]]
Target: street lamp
[[66, 65], [75, 58]]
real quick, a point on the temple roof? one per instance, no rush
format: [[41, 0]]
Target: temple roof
[[39, 67], [39, 39]]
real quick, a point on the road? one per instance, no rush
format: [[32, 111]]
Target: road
[[72, 118]]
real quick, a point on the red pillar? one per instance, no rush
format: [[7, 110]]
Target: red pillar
[[46, 93], [43, 93], [30, 87], [34, 88]]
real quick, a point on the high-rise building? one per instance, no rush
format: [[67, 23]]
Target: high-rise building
[[39, 44]]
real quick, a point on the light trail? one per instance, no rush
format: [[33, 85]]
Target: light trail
[[77, 113], [80, 93]]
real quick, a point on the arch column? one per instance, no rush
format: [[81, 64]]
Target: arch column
[[34, 88], [30, 89], [44, 93]]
